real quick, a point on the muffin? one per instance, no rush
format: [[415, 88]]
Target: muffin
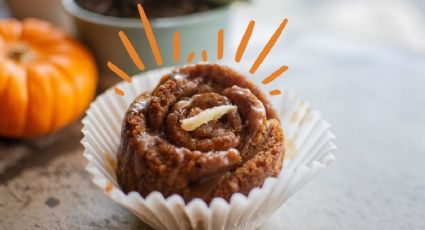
[[205, 131]]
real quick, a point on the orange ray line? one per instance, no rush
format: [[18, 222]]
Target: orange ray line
[[275, 74], [275, 92], [119, 91], [108, 187], [268, 46], [220, 43], [244, 41], [131, 51], [150, 35], [204, 55], [190, 57], [176, 47], [119, 72]]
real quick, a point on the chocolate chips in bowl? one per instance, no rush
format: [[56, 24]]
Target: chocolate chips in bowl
[[154, 8], [205, 131]]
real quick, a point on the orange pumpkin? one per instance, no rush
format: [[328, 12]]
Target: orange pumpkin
[[47, 79]]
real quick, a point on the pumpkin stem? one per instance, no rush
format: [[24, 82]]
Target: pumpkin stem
[[20, 52]]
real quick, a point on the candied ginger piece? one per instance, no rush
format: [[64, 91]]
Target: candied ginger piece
[[215, 113]]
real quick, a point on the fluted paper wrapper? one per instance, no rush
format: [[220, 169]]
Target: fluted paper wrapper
[[309, 149]]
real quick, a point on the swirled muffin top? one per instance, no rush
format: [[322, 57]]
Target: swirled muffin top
[[205, 131]]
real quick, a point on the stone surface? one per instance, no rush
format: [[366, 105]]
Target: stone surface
[[370, 87], [44, 185]]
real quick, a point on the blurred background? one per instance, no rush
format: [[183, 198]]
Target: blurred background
[[361, 63]]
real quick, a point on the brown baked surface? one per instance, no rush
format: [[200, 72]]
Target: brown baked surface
[[233, 154]]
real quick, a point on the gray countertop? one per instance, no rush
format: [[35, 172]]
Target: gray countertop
[[370, 87]]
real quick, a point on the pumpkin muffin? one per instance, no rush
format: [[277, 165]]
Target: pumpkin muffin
[[203, 132]]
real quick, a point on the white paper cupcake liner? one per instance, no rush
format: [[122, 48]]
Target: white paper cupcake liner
[[309, 150]]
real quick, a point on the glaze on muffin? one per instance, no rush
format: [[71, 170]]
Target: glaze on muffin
[[234, 153]]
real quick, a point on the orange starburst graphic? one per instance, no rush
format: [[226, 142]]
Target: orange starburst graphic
[[204, 54]]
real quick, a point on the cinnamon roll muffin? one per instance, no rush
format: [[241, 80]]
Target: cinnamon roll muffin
[[205, 131]]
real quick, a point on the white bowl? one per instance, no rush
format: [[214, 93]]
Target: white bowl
[[49, 10], [198, 31]]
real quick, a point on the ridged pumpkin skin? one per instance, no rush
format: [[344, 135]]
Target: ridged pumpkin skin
[[47, 79]]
